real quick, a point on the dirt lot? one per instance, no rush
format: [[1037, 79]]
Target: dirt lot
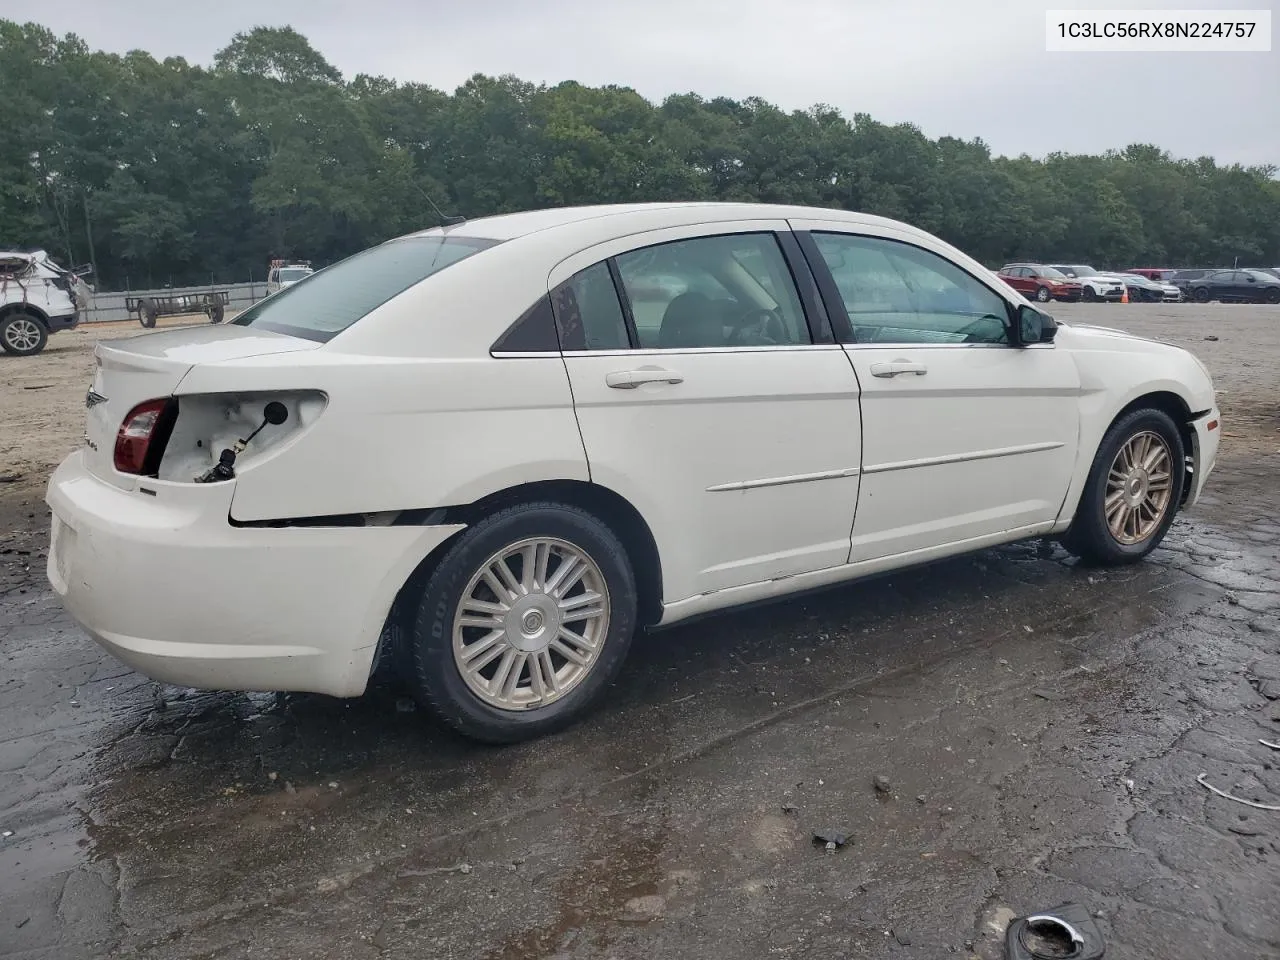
[[1041, 727]]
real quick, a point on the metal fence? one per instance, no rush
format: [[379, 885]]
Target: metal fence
[[110, 306]]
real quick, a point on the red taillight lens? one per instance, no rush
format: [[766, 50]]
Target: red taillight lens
[[137, 449]]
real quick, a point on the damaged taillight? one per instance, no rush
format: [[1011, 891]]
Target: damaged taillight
[[141, 439]]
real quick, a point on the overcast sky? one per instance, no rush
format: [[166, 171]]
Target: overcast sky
[[968, 68]]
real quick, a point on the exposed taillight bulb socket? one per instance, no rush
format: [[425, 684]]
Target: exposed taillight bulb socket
[[274, 413]]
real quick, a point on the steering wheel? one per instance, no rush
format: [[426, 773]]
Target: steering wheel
[[757, 327], [980, 330]]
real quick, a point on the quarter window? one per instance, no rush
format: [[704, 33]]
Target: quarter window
[[588, 313], [733, 290], [898, 293]]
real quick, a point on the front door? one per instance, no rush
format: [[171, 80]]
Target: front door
[[965, 435], [704, 399]]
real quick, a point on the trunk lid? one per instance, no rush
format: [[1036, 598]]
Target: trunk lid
[[150, 367]]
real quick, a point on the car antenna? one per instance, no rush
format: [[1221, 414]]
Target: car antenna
[[444, 221]]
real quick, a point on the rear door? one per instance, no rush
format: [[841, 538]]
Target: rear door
[[1019, 279], [711, 394], [965, 436]]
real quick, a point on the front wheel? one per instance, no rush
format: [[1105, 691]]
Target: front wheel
[[23, 335], [524, 623], [1272, 295], [1201, 294], [1133, 490], [1088, 294]]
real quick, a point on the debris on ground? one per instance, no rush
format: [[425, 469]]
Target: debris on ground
[[1267, 743], [790, 809], [6, 834], [1067, 932], [1203, 780], [406, 705], [1211, 337], [831, 839], [883, 785]]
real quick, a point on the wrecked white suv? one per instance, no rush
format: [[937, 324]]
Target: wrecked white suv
[[486, 454], [37, 298]]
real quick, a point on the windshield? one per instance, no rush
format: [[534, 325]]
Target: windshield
[[1261, 275], [1083, 271], [1050, 272], [328, 301], [292, 274]]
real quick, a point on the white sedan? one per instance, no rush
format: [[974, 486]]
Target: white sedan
[[485, 455]]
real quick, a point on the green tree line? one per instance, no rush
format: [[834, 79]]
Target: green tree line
[[164, 171]]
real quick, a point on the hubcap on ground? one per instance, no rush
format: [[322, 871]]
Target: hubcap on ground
[[1139, 488], [531, 624], [22, 334]]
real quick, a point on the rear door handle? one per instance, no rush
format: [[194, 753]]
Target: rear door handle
[[630, 379], [895, 367]]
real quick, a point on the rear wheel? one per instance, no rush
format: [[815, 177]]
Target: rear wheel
[[1133, 491], [1042, 294], [1272, 295], [23, 335], [147, 313], [524, 623]]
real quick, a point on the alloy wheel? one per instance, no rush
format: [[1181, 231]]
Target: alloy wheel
[[22, 334], [531, 624], [1139, 488]]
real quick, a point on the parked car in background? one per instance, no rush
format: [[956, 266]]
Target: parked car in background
[[37, 297], [1035, 281], [1144, 289], [1236, 286], [341, 471], [285, 273], [1152, 273], [1094, 285], [1183, 278], [1273, 271]]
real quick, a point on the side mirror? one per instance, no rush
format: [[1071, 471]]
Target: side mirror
[[1034, 326]]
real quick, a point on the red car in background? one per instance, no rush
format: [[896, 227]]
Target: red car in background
[[1153, 273], [1035, 281]]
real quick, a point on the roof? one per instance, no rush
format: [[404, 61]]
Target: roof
[[509, 226]]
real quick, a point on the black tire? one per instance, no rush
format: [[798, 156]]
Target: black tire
[[23, 334], [1271, 296], [1200, 294], [1088, 295], [147, 313], [1089, 537], [1043, 295], [216, 313], [433, 672]]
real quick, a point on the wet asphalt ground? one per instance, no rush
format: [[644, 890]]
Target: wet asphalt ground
[[1041, 727]]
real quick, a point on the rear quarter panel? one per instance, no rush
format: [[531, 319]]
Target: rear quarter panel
[[404, 433]]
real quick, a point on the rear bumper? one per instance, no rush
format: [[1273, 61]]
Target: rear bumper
[[168, 586], [1206, 451], [68, 322]]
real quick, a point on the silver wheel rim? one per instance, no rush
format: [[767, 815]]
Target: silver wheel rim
[[531, 624], [1139, 488], [22, 334]]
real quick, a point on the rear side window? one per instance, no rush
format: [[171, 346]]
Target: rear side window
[[324, 304]]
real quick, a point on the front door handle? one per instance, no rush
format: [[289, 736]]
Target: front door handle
[[630, 379], [896, 367]]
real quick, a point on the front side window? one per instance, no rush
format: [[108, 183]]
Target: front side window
[[733, 290], [897, 293], [325, 303]]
